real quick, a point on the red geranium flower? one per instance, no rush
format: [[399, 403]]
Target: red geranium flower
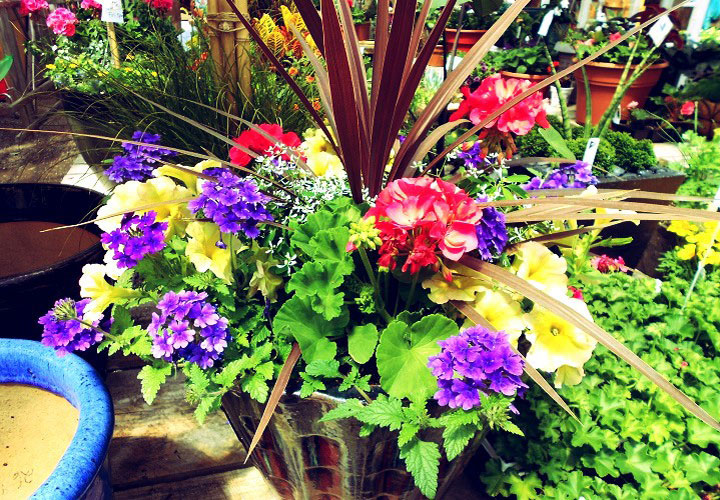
[[256, 142]]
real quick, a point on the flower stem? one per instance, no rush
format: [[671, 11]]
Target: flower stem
[[411, 295], [374, 283], [364, 395]]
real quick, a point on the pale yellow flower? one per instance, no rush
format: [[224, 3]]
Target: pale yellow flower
[[536, 264], [203, 252], [94, 286], [461, 288], [192, 182], [320, 155], [501, 311], [129, 196], [263, 279], [556, 342], [568, 375]]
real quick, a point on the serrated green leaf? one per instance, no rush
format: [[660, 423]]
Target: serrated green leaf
[[383, 412], [206, 406], [701, 467], [344, 410], [408, 431], [256, 386], [320, 220], [297, 318], [151, 378], [366, 430], [455, 439], [603, 463], [329, 246], [197, 377], [702, 434], [422, 459], [329, 368], [635, 461], [511, 428], [310, 385], [318, 282], [121, 320], [361, 342], [229, 373], [403, 352]]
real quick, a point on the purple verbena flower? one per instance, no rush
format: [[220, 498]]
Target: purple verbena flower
[[234, 204], [578, 175], [137, 236], [66, 327], [475, 361], [138, 162], [491, 232], [188, 327], [473, 156]]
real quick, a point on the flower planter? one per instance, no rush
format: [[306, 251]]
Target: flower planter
[[27, 295], [363, 31], [637, 253], [85, 113], [533, 79], [604, 79], [437, 59], [80, 473], [307, 459], [467, 39]]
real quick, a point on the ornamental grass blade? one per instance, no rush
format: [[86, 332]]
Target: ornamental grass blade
[[536, 159], [470, 313], [632, 193], [563, 311], [381, 41], [559, 235], [446, 91], [279, 67], [547, 81], [433, 138], [277, 392], [312, 20]]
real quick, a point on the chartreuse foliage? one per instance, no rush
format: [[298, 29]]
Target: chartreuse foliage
[[633, 440], [334, 308]]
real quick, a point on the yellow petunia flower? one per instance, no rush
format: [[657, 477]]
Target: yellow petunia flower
[[131, 195], [202, 249], [192, 182], [502, 312], [321, 156], [568, 375], [461, 288], [95, 287], [556, 342], [536, 264]]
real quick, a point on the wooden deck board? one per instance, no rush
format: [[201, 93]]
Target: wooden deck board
[[164, 442]]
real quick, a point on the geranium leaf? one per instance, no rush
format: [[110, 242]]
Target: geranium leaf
[[403, 353], [636, 461], [422, 459], [362, 342], [297, 318], [323, 219], [318, 281], [329, 246], [702, 467]]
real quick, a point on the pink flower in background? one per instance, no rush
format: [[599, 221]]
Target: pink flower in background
[[632, 105], [688, 108], [615, 36], [160, 4], [29, 6], [576, 293], [493, 92], [62, 22], [606, 264], [90, 4]]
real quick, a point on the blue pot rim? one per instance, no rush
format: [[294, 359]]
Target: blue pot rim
[[29, 362]]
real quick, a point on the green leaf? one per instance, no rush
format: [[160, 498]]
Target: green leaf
[[455, 439], [347, 409], [227, 376], [525, 488], [324, 368], [329, 246], [510, 427], [297, 318], [318, 282], [702, 434], [702, 467], [310, 385], [383, 412], [121, 320], [5, 65], [197, 377], [556, 141], [151, 378], [603, 463], [256, 386], [403, 352], [422, 459], [636, 461], [361, 343], [320, 220], [408, 431], [206, 406]]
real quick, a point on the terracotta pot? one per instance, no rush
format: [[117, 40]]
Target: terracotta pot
[[465, 42], [708, 117], [437, 59], [363, 31], [534, 79], [604, 79], [306, 459]]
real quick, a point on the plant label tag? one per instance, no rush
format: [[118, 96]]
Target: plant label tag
[[112, 11], [591, 151], [616, 116], [660, 30], [546, 22]]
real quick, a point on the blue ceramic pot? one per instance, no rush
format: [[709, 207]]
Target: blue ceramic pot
[[80, 474]]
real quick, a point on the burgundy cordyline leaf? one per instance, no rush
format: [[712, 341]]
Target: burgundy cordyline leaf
[[313, 22]]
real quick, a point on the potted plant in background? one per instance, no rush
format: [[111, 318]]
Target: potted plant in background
[[525, 63], [363, 12], [619, 77], [356, 310], [476, 17]]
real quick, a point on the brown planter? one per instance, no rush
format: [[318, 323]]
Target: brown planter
[[307, 459], [604, 79], [363, 31], [466, 40], [638, 253], [534, 79], [437, 59]]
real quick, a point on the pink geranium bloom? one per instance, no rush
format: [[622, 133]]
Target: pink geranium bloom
[[493, 92], [615, 36], [90, 4], [62, 21], [29, 6], [687, 108]]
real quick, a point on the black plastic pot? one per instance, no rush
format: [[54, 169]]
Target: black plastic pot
[[26, 296], [86, 114]]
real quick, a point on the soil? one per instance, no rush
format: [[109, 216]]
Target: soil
[[35, 157], [36, 427]]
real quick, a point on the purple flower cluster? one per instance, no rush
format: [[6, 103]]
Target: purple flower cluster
[[577, 175], [473, 156], [188, 327], [137, 236], [138, 162], [63, 330], [491, 231], [476, 360], [232, 203]]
